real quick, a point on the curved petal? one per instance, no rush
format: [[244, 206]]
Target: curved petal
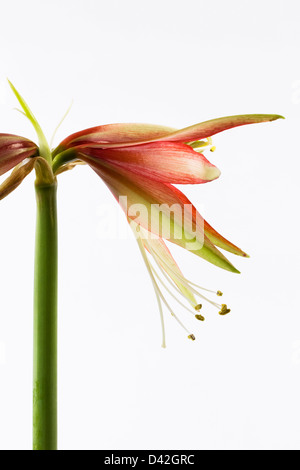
[[13, 150], [16, 177], [125, 135], [218, 240], [114, 135], [165, 162], [157, 208], [214, 126], [215, 237]]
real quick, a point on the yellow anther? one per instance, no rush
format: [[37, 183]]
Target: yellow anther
[[224, 310], [192, 337], [219, 293], [213, 148], [198, 307], [200, 317]]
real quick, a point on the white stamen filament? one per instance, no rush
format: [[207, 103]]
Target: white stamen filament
[[157, 289], [184, 280], [170, 292], [166, 275], [188, 284]]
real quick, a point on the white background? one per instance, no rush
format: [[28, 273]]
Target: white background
[[173, 63]]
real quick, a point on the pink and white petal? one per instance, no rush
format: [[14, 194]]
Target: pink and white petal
[[215, 237], [13, 150], [166, 162], [157, 208], [114, 134], [125, 135]]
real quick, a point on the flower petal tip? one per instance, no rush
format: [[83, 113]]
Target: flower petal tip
[[212, 173], [276, 116], [235, 271]]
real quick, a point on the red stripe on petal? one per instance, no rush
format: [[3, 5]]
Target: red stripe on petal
[[116, 134], [165, 162], [214, 126], [125, 135], [13, 150]]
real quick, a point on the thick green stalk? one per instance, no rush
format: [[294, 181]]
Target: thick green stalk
[[45, 320]]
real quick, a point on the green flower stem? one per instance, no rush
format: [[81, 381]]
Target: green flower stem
[[45, 320]]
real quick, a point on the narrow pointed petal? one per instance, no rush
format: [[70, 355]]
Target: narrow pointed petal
[[113, 135], [13, 150], [214, 126], [125, 135], [218, 240], [215, 237], [165, 162], [149, 202]]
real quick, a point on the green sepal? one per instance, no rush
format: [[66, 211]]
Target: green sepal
[[63, 158]]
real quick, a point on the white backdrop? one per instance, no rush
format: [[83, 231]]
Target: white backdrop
[[173, 63]]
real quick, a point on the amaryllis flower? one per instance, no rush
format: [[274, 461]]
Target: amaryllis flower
[[140, 164], [143, 162]]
